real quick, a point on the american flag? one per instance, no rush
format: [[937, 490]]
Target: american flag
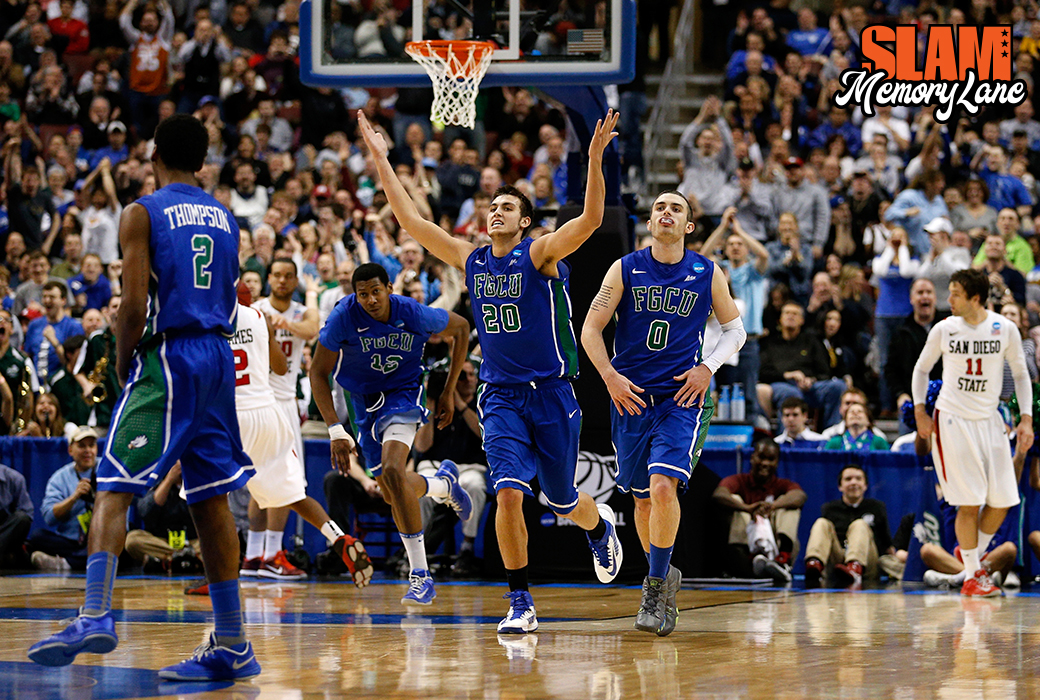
[[584, 41]]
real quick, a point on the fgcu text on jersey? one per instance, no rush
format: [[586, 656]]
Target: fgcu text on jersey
[[963, 67]]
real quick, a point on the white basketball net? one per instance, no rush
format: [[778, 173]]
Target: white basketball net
[[456, 74]]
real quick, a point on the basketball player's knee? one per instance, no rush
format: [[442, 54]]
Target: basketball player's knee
[[393, 478], [510, 499], [1034, 540], [929, 553], [642, 506], [663, 489]]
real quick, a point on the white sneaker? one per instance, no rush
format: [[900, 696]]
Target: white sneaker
[[1012, 580], [607, 553], [935, 579], [521, 618], [49, 562]]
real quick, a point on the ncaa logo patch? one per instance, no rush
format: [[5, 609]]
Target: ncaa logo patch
[[698, 267], [996, 328]]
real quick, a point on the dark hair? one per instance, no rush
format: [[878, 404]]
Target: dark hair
[[370, 271], [795, 402], [974, 282], [181, 142], [525, 204], [981, 183], [852, 466], [285, 261], [72, 345], [764, 442], [60, 286], [689, 207]]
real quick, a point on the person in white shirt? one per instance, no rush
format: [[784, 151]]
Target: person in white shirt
[[794, 415], [945, 258], [969, 445], [268, 438]]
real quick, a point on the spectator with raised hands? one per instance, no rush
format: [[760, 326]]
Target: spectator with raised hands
[[706, 147]]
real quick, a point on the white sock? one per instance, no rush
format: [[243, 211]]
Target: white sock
[[255, 544], [437, 488], [971, 560], [984, 541], [272, 543], [415, 546], [331, 531]]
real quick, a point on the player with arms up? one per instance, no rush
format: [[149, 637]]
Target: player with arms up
[[180, 268], [269, 440], [529, 414], [970, 448], [373, 342], [658, 381], [294, 325]]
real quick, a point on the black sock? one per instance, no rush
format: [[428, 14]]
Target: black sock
[[517, 579], [597, 533], [467, 544]]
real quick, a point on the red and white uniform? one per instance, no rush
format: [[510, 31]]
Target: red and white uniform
[[969, 444], [292, 346], [267, 435]]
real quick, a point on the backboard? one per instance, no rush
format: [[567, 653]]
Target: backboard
[[360, 42]]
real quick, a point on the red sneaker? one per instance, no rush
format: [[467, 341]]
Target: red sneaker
[[813, 573], [783, 558], [980, 586], [353, 554], [199, 587], [278, 567], [849, 574], [251, 567]]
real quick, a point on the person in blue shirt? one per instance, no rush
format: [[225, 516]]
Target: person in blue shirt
[[659, 381], [529, 414], [44, 335], [1005, 191], [90, 288], [809, 38], [916, 206], [116, 151], [179, 307], [373, 343]]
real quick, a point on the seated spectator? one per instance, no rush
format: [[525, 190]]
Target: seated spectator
[[760, 495], [973, 215], [795, 364], [1017, 251], [1005, 281], [791, 258], [44, 336], [946, 257], [168, 532], [73, 407], [945, 569], [355, 491], [794, 417], [90, 287], [841, 357], [16, 516], [460, 442], [837, 123], [850, 536], [68, 503], [47, 419], [1022, 121], [281, 129], [30, 292], [859, 433]]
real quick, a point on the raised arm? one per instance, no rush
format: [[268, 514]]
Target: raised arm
[[451, 250], [547, 250], [715, 239], [134, 232], [622, 392]]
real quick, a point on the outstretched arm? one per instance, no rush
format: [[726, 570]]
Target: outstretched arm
[[430, 236], [547, 250], [623, 393]]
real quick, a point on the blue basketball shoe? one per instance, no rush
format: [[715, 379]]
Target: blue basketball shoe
[[212, 662], [420, 588], [607, 554], [94, 635], [521, 617], [457, 496]]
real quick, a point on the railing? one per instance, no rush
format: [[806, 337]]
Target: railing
[[679, 65]]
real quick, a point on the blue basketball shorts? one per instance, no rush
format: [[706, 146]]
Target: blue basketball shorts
[[532, 433], [178, 404], [664, 439], [374, 412]]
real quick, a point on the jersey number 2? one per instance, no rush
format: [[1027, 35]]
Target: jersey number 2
[[241, 365], [202, 246], [978, 366]]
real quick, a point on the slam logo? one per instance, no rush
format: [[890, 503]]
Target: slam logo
[[964, 68]]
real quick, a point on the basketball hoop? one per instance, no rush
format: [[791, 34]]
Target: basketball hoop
[[456, 69]]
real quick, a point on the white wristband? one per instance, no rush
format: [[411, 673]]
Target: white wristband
[[338, 432]]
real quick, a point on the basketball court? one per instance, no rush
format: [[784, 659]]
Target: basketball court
[[330, 640]]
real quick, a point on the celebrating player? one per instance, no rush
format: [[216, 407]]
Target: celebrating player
[[373, 341], [180, 268], [268, 439], [528, 411], [971, 451], [663, 296]]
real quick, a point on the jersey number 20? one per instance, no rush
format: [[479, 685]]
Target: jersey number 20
[[501, 318]]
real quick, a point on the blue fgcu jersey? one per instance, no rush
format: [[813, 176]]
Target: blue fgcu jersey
[[661, 318], [380, 357], [194, 258], [523, 317]]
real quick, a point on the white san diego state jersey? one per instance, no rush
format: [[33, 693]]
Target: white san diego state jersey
[[973, 362], [292, 346], [251, 348]]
